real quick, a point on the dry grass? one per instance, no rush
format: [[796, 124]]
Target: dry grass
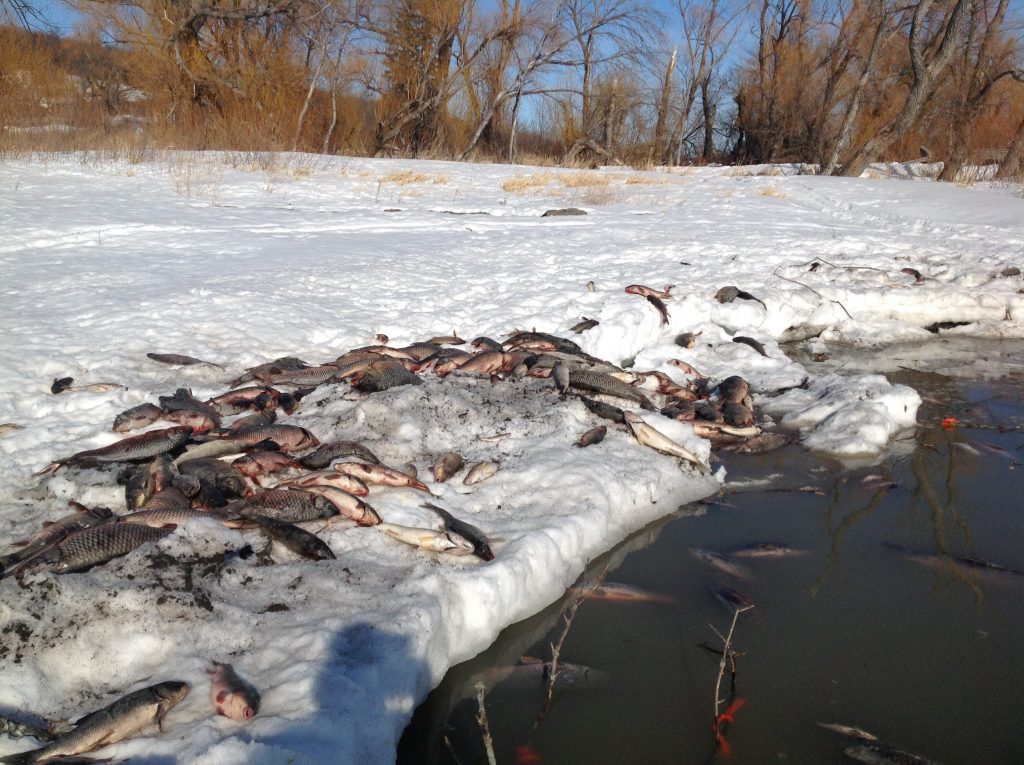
[[771, 190], [578, 180], [407, 177], [646, 180], [523, 183]]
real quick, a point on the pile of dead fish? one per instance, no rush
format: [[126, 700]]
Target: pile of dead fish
[[267, 476]]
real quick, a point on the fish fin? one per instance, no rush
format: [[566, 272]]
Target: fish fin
[[50, 469]]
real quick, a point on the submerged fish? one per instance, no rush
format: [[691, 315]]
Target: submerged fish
[[880, 753], [231, 695], [721, 562], [766, 550], [614, 592], [733, 600], [115, 722]]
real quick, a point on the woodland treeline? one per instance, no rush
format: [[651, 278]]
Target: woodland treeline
[[836, 83]]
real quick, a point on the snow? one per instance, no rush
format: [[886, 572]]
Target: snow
[[242, 258]]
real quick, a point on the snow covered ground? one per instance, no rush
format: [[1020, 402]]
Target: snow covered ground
[[241, 259]]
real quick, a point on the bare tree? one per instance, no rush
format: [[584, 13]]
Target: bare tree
[[931, 50]]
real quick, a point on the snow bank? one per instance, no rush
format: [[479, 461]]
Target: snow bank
[[202, 255]]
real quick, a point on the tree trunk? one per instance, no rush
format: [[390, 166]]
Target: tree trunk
[[660, 145], [1013, 163], [924, 82]]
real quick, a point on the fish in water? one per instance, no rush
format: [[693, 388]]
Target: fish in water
[[880, 753], [752, 343], [447, 465], [650, 436], [176, 359], [732, 599], [992, 571], [593, 436], [481, 542], [662, 309], [721, 562], [766, 550], [115, 722], [428, 539], [231, 695], [533, 671], [613, 592]]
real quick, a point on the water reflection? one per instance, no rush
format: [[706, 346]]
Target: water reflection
[[904, 618]]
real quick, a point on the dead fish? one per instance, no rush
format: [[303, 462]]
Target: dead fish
[[295, 538], [143, 482], [447, 465], [603, 410], [283, 364], [737, 415], [380, 474], [9, 427], [766, 550], [686, 368], [161, 517], [257, 397], [729, 294], [538, 672], [219, 448], [259, 463], [591, 287], [760, 444], [409, 469], [733, 389], [290, 438], [849, 730], [325, 454], [131, 449], [291, 505], [614, 592], [993, 571], [55, 531], [483, 363], [115, 722], [64, 384], [383, 375], [200, 422], [337, 479], [752, 343], [481, 542], [593, 436], [307, 376], [721, 562], [346, 505], [217, 472], [687, 339], [662, 309], [655, 439], [879, 753], [177, 359], [913, 272], [647, 292], [428, 539], [90, 547], [184, 400], [599, 382], [231, 695], [481, 471], [560, 376], [452, 339], [255, 420], [733, 600], [137, 417], [582, 326]]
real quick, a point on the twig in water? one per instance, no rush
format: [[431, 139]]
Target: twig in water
[[451, 750], [481, 719], [728, 655]]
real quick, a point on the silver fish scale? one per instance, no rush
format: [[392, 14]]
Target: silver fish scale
[[289, 505], [91, 547], [278, 433], [611, 386], [136, 448], [380, 378], [309, 376]]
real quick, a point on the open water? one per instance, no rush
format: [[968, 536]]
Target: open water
[[887, 621]]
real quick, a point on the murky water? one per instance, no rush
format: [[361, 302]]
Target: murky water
[[887, 621]]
